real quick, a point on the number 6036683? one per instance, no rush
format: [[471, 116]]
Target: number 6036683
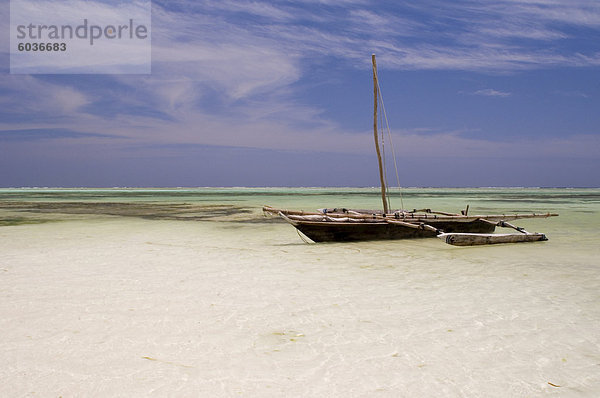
[[42, 47]]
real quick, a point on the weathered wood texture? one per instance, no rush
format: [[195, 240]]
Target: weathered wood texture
[[412, 217], [459, 230], [375, 134], [364, 230], [471, 239]]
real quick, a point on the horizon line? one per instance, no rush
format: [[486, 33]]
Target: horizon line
[[298, 187]]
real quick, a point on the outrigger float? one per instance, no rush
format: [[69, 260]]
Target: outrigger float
[[346, 225]]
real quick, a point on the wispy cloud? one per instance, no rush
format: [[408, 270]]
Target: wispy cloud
[[29, 95], [573, 94], [42, 134], [489, 92], [465, 35], [254, 8]]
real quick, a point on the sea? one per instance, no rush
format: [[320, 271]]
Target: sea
[[194, 292]]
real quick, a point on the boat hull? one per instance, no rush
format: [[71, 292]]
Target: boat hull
[[348, 232]]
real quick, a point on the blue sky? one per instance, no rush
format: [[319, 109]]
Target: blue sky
[[279, 93]]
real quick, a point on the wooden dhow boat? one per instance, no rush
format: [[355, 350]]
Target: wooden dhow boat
[[343, 225], [346, 225]]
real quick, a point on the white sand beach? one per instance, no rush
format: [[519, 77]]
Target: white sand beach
[[107, 306]]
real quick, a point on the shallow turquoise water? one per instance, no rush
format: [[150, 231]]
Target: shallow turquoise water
[[509, 199], [575, 230], [578, 207]]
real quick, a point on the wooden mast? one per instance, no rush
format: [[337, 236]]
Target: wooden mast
[[376, 98]]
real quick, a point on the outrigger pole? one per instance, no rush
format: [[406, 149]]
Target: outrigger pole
[[375, 100]]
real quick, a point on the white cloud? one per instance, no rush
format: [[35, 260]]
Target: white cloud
[[207, 51], [41, 99], [467, 35], [574, 12], [256, 8], [489, 92]]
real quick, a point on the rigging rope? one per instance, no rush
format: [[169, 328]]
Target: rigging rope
[[384, 115], [302, 237]]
